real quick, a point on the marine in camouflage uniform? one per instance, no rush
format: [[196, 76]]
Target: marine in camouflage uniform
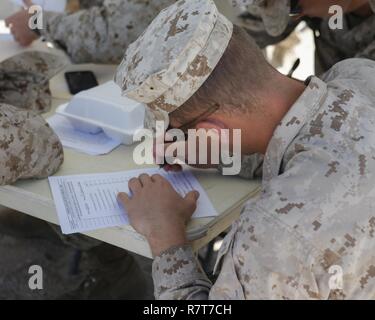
[[30, 149], [315, 214], [24, 80], [269, 24], [356, 40], [101, 33]]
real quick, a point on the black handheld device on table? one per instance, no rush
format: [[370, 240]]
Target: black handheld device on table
[[80, 80]]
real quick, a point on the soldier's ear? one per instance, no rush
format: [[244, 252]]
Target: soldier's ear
[[211, 124]]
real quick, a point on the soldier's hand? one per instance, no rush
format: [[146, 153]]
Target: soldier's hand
[[19, 26], [207, 161], [158, 212]]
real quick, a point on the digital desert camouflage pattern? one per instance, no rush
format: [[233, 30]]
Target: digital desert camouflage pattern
[[28, 146], [355, 40], [315, 212], [101, 33], [174, 56], [273, 13], [24, 80]]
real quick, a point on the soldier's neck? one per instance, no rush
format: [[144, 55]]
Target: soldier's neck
[[258, 127], [287, 93]]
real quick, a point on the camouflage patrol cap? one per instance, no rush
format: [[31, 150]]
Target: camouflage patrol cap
[[174, 57], [28, 146], [24, 79], [274, 13]]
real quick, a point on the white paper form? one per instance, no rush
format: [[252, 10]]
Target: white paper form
[[92, 144], [89, 202]]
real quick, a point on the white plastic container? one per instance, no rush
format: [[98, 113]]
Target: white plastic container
[[104, 109]]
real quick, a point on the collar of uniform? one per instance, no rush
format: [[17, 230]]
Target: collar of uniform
[[300, 113]]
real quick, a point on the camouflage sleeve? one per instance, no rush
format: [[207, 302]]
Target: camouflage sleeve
[[101, 34], [354, 69], [24, 80], [263, 259], [28, 148], [287, 243], [178, 275]]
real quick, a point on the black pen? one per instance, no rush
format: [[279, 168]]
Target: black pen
[[294, 68]]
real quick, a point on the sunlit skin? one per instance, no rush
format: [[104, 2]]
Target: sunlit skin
[[19, 26]]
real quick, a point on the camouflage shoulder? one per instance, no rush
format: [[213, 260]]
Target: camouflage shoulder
[[178, 275], [29, 147], [24, 79]]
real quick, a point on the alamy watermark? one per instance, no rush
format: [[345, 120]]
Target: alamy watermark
[[336, 21], [336, 281], [195, 148], [36, 19], [36, 279]]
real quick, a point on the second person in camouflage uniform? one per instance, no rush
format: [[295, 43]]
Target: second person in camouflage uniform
[[315, 214], [269, 22], [98, 34]]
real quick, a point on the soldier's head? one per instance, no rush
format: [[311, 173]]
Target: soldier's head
[[194, 69]]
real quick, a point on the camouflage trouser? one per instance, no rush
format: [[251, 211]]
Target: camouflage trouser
[[86, 270]]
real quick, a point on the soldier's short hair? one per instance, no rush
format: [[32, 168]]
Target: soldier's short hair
[[236, 82]]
